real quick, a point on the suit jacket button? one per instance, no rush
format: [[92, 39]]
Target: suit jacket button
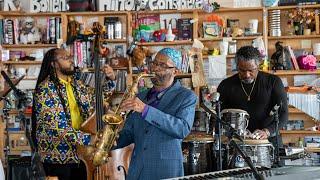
[[144, 148], [146, 131]]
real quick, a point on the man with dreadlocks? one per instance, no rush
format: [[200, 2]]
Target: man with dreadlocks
[[61, 103]]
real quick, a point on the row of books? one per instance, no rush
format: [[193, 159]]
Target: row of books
[[292, 63], [121, 80], [45, 30], [83, 54]]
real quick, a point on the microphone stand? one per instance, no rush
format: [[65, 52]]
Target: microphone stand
[[218, 134], [37, 170], [277, 144], [246, 158], [233, 134], [7, 147]]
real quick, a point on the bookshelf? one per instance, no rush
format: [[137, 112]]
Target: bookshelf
[[128, 18]]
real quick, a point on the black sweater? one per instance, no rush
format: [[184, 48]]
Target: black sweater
[[268, 91]]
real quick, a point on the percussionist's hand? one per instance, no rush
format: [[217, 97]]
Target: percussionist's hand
[[260, 134]]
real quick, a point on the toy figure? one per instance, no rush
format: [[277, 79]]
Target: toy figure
[[277, 57], [29, 32]]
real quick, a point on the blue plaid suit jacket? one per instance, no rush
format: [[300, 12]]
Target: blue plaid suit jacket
[[157, 152]]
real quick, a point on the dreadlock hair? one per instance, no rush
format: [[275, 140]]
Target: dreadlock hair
[[46, 67], [248, 53], [47, 70]]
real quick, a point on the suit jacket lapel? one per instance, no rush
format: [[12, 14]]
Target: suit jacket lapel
[[164, 101], [167, 97]]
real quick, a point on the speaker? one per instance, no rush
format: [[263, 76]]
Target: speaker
[[19, 168]]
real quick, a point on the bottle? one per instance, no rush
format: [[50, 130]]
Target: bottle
[[300, 142], [118, 30], [232, 47], [170, 36]]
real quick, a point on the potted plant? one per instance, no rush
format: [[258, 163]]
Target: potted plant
[[302, 20]]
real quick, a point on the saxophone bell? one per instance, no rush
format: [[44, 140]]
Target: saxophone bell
[[105, 139]]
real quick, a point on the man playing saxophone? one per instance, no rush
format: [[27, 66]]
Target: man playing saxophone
[[161, 117], [61, 103]]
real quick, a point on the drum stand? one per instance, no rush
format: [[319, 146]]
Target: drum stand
[[218, 135], [233, 134], [246, 158], [276, 129]]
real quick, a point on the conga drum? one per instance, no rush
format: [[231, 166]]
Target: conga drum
[[202, 122], [238, 119], [198, 153], [259, 151]]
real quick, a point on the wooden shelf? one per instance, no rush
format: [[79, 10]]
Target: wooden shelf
[[309, 149], [299, 132], [235, 38], [173, 43], [295, 72], [22, 62], [228, 56], [97, 13], [295, 111], [17, 112], [174, 11], [28, 45], [294, 7], [115, 40], [91, 70], [293, 37]]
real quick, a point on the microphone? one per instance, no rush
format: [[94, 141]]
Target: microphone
[[296, 156], [274, 109], [215, 97]]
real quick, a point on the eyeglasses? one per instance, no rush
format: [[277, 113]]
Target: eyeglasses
[[161, 65]]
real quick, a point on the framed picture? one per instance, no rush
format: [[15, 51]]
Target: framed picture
[[119, 51], [211, 29]]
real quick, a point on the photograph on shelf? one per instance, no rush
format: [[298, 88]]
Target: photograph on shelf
[[119, 51], [211, 29]]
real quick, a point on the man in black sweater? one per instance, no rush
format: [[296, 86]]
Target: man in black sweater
[[256, 92]]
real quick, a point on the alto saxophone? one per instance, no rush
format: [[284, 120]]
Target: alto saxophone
[[105, 139]]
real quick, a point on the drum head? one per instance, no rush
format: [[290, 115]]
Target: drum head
[[254, 141], [199, 137], [234, 111]]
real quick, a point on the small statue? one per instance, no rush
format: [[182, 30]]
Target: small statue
[[140, 54], [29, 32], [277, 57], [73, 30]]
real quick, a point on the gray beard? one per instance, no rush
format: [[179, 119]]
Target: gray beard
[[160, 80], [247, 81]]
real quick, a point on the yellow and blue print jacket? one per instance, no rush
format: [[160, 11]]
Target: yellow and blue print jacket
[[55, 138]]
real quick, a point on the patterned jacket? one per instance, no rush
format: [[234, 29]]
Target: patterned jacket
[[55, 137]]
